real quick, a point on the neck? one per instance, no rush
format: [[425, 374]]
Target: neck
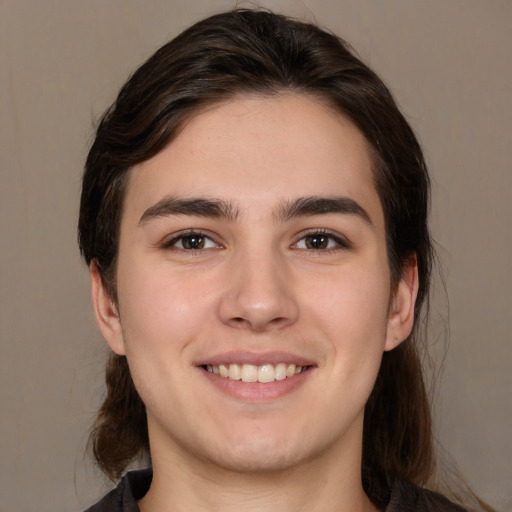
[[330, 482]]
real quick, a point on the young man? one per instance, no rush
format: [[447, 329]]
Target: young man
[[254, 215]]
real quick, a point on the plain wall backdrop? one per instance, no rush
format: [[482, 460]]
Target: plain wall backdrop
[[448, 63]]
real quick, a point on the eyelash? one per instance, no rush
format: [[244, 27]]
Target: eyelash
[[341, 242], [171, 244]]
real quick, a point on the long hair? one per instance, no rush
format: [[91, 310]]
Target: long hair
[[246, 52]]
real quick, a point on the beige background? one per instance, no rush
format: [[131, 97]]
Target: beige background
[[448, 63]]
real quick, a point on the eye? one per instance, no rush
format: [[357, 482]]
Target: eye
[[321, 241], [191, 241]]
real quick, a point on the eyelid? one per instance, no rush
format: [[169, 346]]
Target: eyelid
[[342, 241], [173, 238]]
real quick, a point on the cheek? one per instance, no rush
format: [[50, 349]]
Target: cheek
[[353, 317], [352, 301], [160, 309], [160, 318]]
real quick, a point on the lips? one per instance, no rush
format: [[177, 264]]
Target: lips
[[239, 371]]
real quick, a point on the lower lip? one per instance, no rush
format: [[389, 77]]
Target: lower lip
[[256, 391]]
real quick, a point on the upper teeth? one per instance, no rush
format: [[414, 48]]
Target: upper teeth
[[251, 373]]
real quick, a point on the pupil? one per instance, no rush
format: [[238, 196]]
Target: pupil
[[193, 242], [317, 242]]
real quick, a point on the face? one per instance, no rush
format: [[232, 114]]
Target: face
[[254, 299]]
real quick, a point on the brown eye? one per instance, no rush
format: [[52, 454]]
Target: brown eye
[[191, 242], [317, 241], [195, 241], [322, 241]]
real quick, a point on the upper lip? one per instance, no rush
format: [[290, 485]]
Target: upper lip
[[255, 358]]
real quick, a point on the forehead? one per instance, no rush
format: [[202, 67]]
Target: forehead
[[252, 150]]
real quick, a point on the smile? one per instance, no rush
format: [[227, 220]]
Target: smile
[[264, 373]]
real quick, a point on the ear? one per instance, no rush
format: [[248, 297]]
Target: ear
[[401, 312], [106, 312]]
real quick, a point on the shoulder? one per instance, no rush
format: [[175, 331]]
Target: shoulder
[[132, 487], [406, 497]]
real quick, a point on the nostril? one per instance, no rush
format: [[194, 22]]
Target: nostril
[[238, 321]]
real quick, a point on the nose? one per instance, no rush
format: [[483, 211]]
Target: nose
[[259, 294]]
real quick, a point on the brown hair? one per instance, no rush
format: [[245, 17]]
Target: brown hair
[[256, 51]]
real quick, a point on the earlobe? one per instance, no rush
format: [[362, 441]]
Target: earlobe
[[106, 312], [401, 313]]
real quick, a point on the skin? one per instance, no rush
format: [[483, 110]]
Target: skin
[[256, 287]]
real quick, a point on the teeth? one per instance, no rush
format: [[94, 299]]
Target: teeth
[[266, 373], [251, 373], [235, 372], [280, 371]]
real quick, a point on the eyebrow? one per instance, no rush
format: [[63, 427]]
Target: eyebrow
[[200, 207], [219, 208], [316, 205]]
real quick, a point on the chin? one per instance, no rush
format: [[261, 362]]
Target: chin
[[261, 453], [256, 461]]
